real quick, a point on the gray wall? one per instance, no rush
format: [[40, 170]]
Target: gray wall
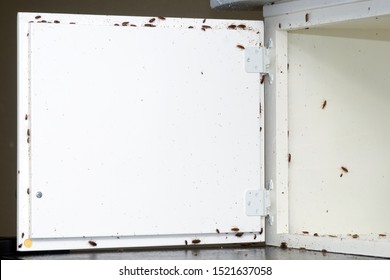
[[9, 9]]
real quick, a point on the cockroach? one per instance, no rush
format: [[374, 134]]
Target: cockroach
[[56, 21], [240, 47], [204, 21], [242, 26], [217, 230], [28, 132], [261, 231], [20, 245], [324, 104], [239, 234], [235, 229], [28, 190], [382, 235], [190, 27], [280, 25], [341, 175], [283, 245], [289, 157], [28, 140], [162, 18], [204, 29], [232, 26], [149, 25], [185, 242], [355, 236], [92, 243], [196, 241], [305, 232], [37, 17], [315, 234], [307, 17], [116, 24], [125, 23], [133, 25], [206, 26], [262, 79], [43, 21], [152, 20], [344, 169], [324, 252], [22, 234], [255, 236]]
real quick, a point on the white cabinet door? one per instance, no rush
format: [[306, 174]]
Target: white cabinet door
[[328, 126], [137, 131]]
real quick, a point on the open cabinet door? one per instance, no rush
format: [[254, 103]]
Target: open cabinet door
[[136, 131], [328, 126]]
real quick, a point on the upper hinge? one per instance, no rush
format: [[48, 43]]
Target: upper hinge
[[257, 60], [258, 202]]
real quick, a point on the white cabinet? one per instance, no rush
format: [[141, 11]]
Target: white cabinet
[[141, 131]]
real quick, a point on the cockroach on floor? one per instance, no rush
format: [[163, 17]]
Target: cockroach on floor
[[195, 241], [240, 47], [92, 243]]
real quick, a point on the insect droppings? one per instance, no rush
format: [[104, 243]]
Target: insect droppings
[[262, 79], [235, 229], [125, 23], [37, 17], [240, 47], [133, 25], [204, 29], [344, 169], [324, 104], [254, 236], [152, 20], [206, 26], [239, 234], [22, 234], [217, 230], [20, 245], [92, 243], [196, 241], [315, 234], [283, 245], [56, 21], [28, 132], [305, 232], [241, 26], [162, 18], [307, 17], [190, 27], [43, 21], [261, 231], [75, 23], [28, 190], [204, 21], [28, 140], [341, 175], [288, 66], [149, 25], [355, 236], [232, 26], [289, 157], [185, 242]]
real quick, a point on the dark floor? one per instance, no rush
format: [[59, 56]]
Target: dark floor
[[259, 253]]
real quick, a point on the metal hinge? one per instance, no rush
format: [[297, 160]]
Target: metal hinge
[[257, 60], [258, 202]]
